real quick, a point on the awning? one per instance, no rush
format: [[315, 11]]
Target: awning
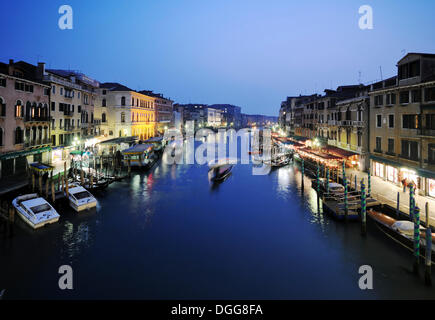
[[23, 153], [299, 138], [76, 152], [339, 152], [387, 161], [119, 140], [420, 171]]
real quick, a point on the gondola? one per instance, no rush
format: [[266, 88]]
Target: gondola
[[401, 231]]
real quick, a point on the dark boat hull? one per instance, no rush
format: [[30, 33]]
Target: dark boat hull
[[401, 239]]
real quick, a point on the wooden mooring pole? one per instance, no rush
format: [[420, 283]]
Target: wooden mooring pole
[[53, 193], [369, 184], [11, 221], [414, 212], [318, 184], [363, 209], [40, 185], [303, 169], [398, 205]]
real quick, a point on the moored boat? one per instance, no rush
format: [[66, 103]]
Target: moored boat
[[34, 210], [79, 198], [402, 231], [140, 156]]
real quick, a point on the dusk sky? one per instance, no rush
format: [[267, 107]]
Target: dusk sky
[[249, 53]]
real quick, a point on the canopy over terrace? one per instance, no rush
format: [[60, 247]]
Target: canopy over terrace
[[351, 158], [326, 159], [117, 144]]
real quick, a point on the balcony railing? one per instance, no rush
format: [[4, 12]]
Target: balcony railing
[[35, 119], [37, 142], [351, 123], [427, 132]]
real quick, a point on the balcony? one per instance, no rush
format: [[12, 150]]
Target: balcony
[[36, 119], [332, 122], [69, 128], [426, 132], [351, 123], [37, 142], [67, 112]]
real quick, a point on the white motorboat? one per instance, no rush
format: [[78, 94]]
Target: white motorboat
[[34, 210], [79, 198]]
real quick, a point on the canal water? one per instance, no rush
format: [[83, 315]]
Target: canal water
[[168, 234]]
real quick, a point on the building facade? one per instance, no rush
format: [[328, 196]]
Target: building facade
[[402, 124], [164, 109], [126, 112], [24, 117]]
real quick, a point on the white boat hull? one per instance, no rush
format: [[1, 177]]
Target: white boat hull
[[33, 225], [84, 206]]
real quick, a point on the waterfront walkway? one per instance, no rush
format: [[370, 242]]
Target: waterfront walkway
[[386, 192]]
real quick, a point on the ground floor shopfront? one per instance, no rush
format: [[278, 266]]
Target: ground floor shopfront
[[398, 174]]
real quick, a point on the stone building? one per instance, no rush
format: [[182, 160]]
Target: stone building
[[126, 112], [24, 117], [402, 124]]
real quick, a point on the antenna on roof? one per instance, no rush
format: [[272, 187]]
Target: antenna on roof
[[380, 70]]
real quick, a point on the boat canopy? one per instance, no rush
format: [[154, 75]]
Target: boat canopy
[[40, 167], [137, 149]]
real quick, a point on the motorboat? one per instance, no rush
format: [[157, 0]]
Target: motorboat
[[140, 156], [34, 210], [280, 161], [219, 171], [79, 198]]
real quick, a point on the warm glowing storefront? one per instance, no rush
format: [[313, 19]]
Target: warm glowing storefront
[[398, 174], [392, 174], [431, 187]]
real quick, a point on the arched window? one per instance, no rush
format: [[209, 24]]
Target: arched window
[[34, 110], [103, 117], [18, 109], [2, 107], [104, 102], [1, 136], [28, 110], [18, 135], [45, 111], [123, 101], [122, 116], [39, 111]]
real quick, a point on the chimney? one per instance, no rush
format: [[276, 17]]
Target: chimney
[[11, 67], [40, 71]]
